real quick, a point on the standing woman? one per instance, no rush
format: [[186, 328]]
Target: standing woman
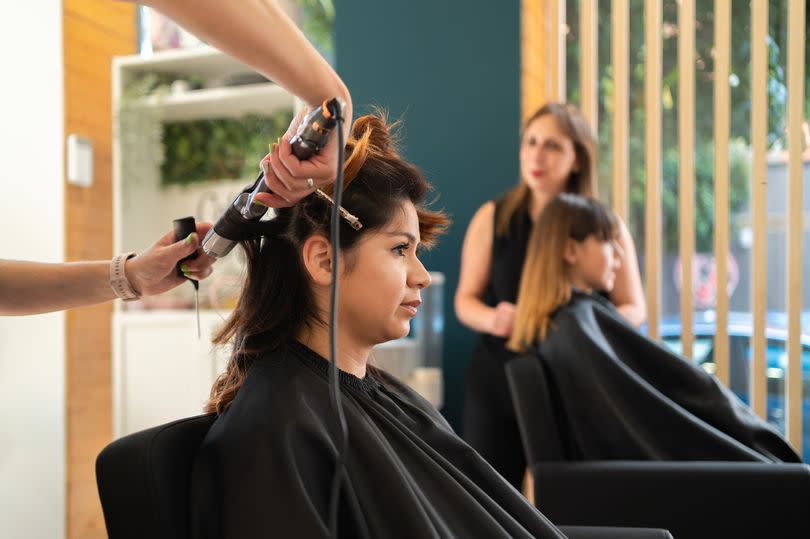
[[557, 154]]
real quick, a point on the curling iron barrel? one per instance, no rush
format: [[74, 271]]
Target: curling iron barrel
[[310, 138]]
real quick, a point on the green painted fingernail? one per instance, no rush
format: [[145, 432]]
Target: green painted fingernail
[[259, 203], [186, 274], [190, 238], [184, 268]]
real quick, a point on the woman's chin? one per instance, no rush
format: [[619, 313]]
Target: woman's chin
[[400, 332]]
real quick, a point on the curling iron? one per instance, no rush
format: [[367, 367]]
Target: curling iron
[[242, 214]]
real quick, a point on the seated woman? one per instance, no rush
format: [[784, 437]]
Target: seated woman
[[266, 466], [616, 393]]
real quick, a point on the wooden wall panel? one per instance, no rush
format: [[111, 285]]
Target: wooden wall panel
[[94, 31], [534, 65]]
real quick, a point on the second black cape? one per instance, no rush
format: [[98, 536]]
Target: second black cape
[[617, 394], [265, 468]]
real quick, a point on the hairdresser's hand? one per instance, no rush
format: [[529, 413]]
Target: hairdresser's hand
[[504, 320], [287, 176], [153, 271]]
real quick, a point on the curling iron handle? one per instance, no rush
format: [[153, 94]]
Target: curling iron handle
[[182, 228]]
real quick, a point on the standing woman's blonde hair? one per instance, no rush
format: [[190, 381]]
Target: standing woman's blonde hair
[[545, 283], [582, 182]]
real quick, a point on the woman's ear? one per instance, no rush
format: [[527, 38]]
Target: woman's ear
[[571, 253], [317, 255]]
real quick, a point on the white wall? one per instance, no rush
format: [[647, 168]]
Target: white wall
[[32, 349]]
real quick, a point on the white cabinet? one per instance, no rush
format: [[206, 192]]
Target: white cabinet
[[162, 371]]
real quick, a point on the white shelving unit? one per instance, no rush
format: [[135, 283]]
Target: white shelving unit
[[161, 370], [217, 102], [142, 210]]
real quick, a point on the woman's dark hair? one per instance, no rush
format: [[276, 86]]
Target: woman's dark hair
[[276, 300]]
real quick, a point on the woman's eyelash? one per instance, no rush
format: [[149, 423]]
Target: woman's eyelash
[[401, 248]]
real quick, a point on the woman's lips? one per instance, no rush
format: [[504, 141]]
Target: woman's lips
[[537, 174], [411, 306]]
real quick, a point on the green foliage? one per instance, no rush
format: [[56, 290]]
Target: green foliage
[[739, 172], [740, 89], [219, 148], [318, 20]]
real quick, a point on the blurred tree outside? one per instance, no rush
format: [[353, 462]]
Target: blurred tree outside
[[740, 130]]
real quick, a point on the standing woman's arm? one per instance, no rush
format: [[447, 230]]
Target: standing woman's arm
[[476, 261], [627, 293]]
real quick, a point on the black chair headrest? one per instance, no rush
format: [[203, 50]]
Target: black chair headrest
[[143, 479]]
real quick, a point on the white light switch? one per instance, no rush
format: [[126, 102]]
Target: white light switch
[[79, 161]]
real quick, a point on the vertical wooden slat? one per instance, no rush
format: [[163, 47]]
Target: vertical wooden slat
[[589, 64], [93, 31], [652, 138], [620, 60], [759, 183], [686, 150], [556, 50], [795, 197], [722, 123], [533, 57]]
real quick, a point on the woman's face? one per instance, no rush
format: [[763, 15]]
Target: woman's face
[[547, 156], [593, 263], [380, 292]]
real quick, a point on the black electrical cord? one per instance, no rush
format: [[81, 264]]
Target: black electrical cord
[[334, 382]]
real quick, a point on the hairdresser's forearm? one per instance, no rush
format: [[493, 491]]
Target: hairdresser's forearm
[[474, 313], [260, 34], [33, 288]]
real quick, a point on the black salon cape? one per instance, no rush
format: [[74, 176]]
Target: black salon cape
[[265, 468], [617, 394]]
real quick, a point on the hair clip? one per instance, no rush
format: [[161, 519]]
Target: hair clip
[[353, 221]]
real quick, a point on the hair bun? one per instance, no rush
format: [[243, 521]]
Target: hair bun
[[370, 136], [374, 129]]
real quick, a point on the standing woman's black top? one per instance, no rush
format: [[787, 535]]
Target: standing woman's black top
[[489, 422], [265, 468]]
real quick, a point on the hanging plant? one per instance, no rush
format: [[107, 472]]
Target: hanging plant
[[219, 148]]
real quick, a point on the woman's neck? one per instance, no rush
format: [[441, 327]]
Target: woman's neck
[[537, 201], [352, 356], [579, 283]]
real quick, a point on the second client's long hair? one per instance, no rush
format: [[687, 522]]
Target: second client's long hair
[[545, 283]]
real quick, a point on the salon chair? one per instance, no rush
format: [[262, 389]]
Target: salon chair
[[693, 500], [143, 482]]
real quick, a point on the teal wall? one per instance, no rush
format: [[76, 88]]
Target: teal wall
[[451, 70]]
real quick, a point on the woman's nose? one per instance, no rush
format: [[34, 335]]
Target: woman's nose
[[419, 277], [539, 153]]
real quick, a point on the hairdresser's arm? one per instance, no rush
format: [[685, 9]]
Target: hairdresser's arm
[[476, 262], [260, 34], [33, 288], [627, 294]]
